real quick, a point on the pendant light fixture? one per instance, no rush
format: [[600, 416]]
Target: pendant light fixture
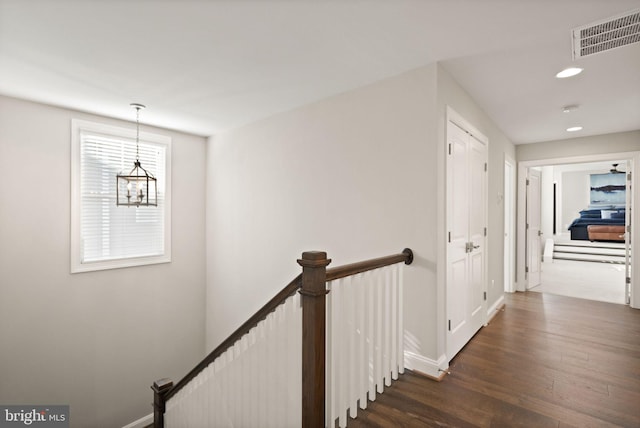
[[138, 187]]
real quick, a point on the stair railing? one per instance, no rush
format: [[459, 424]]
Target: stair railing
[[292, 321]]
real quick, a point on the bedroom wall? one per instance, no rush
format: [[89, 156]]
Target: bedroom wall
[[575, 195], [96, 340], [572, 187]]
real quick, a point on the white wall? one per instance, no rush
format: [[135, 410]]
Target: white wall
[[95, 341], [358, 175], [621, 142], [575, 195], [353, 175]]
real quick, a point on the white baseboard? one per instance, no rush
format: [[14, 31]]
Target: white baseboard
[[495, 308], [426, 366], [141, 423]]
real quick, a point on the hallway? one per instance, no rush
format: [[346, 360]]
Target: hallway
[[544, 361]]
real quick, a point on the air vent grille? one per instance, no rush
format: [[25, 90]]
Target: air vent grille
[[605, 35]]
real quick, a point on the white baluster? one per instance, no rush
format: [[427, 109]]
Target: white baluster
[[401, 319], [379, 333], [363, 369], [360, 360], [393, 344], [371, 333], [386, 322], [351, 337], [341, 375]]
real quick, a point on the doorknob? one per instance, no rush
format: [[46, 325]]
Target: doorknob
[[469, 247]]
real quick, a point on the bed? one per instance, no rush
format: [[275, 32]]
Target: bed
[[609, 216]]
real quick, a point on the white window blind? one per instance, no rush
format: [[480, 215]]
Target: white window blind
[[109, 236]]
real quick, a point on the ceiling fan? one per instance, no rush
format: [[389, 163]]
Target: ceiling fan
[[615, 170]]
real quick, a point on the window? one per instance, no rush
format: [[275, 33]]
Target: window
[[103, 235]]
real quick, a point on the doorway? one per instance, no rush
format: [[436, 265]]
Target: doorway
[[560, 220]]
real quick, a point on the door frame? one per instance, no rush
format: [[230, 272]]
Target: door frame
[[461, 122], [509, 224], [534, 207], [633, 158]]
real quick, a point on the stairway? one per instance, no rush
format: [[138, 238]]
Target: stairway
[[602, 252]]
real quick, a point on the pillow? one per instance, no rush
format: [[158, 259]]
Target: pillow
[[590, 213], [619, 214], [606, 214]]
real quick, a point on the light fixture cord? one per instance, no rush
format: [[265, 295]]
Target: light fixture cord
[[137, 133]]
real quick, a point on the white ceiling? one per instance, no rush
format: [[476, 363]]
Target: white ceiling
[[206, 66]]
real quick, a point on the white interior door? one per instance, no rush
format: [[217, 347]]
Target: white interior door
[[534, 232], [466, 248]]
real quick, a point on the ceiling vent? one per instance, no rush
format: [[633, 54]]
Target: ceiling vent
[[607, 34]]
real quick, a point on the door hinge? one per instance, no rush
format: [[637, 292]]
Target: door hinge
[[629, 177], [449, 148], [485, 167], [527, 226], [526, 269], [485, 231], [449, 237], [527, 181], [485, 295], [629, 228], [449, 325], [628, 280]]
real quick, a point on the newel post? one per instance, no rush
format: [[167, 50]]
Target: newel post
[[160, 388], [313, 291]]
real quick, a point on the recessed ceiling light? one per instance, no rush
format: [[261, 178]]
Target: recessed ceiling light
[[574, 128], [569, 72], [570, 108]]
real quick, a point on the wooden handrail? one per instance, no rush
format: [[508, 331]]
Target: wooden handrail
[[262, 313], [312, 286], [355, 268]]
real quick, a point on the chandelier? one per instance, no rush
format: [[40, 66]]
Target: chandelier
[[138, 187]]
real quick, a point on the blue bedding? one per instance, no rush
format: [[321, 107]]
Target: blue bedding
[[602, 221], [578, 227]]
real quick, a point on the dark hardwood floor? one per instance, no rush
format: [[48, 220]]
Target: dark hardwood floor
[[544, 361]]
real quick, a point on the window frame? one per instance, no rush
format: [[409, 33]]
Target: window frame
[[77, 265]]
